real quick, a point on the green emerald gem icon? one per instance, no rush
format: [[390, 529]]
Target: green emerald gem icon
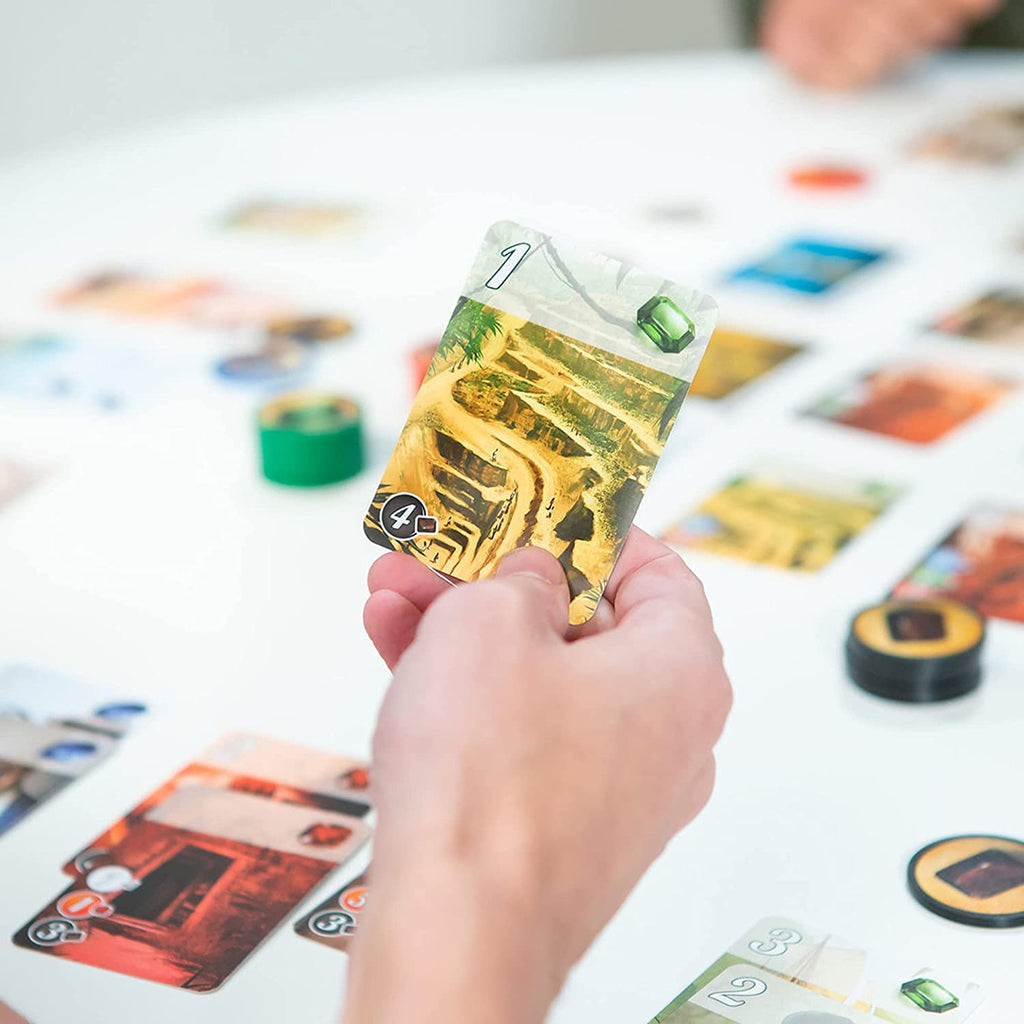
[[666, 324], [929, 995]]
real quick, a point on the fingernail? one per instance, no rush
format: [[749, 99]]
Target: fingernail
[[532, 562]]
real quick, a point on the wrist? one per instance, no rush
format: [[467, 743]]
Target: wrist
[[445, 942]]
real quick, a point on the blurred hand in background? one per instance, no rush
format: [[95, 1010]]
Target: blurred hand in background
[[848, 44]]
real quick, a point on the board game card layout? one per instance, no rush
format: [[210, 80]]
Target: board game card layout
[[810, 266], [913, 403], [980, 564], [53, 729], [990, 135], [70, 371], [784, 972], [543, 414], [735, 358], [334, 921], [785, 516], [187, 884], [997, 316], [291, 217], [199, 302]]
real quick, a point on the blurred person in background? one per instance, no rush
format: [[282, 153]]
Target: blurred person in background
[[849, 44]]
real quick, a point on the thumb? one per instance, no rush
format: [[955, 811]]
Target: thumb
[[540, 575]]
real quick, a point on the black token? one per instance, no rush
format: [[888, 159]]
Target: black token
[[976, 880], [916, 650]]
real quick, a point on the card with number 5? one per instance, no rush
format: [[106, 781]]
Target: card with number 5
[[543, 413]]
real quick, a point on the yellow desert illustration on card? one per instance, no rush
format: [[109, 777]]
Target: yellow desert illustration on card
[[524, 436]]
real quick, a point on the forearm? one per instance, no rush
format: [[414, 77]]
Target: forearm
[[443, 945]]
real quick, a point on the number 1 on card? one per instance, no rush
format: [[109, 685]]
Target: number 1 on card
[[514, 255]]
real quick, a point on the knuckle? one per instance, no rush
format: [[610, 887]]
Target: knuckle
[[691, 589], [670, 564], [677, 622], [452, 608], [508, 599]]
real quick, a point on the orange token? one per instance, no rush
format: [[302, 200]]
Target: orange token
[[827, 176], [83, 903], [354, 899]]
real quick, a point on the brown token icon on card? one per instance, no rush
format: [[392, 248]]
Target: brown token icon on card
[[976, 880], [404, 516]]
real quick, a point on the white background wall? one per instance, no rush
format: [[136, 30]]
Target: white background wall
[[73, 69]]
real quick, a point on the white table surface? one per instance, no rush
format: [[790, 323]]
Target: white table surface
[[155, 557]]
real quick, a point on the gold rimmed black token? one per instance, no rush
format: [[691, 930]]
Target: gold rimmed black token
[[976, 880], [916, 650]]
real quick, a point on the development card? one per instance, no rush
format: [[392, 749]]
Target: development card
[[981, 564], [992, 135], [202, 302], [185, 886], [784, 516], [42, 696], [16, 478], [334, 921], [53, 729], [838, 980], [308, 330], [735, 358], [287, 217], [70, 371], [747, 995], [997, 316], [810, 266], [37, 760], [543, 414], [420, 358], [135, 294], [913, 403], [228, 306]]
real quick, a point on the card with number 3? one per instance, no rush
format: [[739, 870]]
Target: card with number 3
[[784, 972]]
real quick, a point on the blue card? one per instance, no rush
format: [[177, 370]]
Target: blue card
[[808, 265], [91, 373], [53, 729]]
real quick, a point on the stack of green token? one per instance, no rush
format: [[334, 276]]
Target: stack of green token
[[308, 440]]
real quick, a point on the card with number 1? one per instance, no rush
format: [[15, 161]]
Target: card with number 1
[[543, 413]]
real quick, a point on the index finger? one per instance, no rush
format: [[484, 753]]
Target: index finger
[[407, 576]]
